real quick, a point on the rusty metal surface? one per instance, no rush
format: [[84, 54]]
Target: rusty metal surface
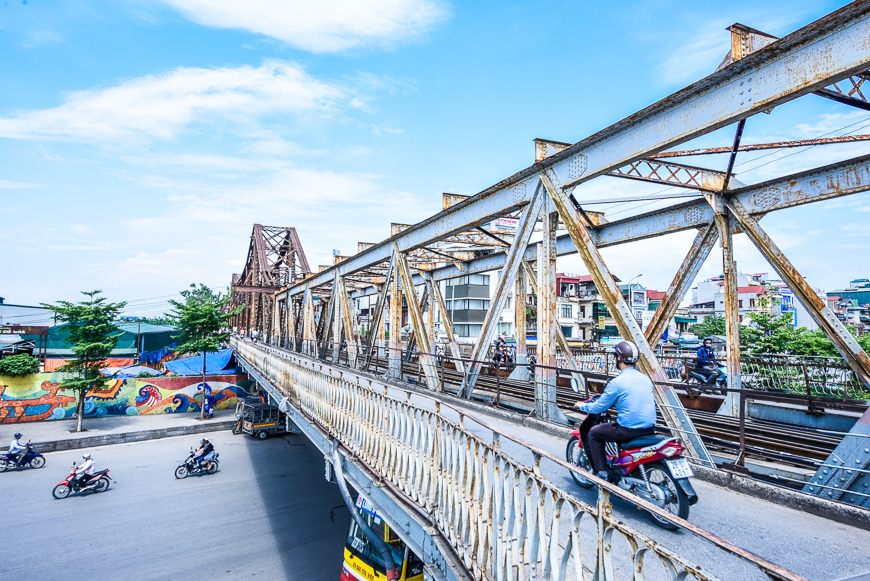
[[669, 403], [762, 146], [416, 314], [818, 310], [698, 252], [506, 279], [824, 52], [675, 174]]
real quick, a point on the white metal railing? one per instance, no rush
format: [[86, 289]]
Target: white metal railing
[[503, 519]]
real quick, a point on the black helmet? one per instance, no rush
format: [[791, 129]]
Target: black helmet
[[627, 352], [17, 435]]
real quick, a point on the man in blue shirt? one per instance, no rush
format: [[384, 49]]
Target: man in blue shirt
[[706, 362], [631, 392]]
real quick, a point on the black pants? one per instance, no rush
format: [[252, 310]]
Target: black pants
[[595, 438]]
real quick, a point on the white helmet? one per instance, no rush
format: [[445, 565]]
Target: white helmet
[[86, 456]]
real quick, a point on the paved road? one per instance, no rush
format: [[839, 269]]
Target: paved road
[[270, 524]]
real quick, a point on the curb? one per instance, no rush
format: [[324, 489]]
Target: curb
[[126, 437], [835, 511]]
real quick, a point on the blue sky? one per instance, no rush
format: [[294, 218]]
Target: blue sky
[[141, 139]]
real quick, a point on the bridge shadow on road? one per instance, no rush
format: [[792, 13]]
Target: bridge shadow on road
[[298, 500]]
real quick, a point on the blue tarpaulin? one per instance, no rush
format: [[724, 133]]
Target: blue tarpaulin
[[214, 363]]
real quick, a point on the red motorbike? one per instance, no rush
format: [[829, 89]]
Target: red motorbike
[[650, 467], [98, 482]]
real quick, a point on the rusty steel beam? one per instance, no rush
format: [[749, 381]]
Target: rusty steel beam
[[845, 343], [824, 52], [348, 315], [512, 264], [762, 146], [840, 179], [670, 406], [521, 357], [308, 324], [424, 347], [394, 356], [456, 353], [682, 282], [377, 323], [725, 227], [545, 372], [674, 174], [561, 341]]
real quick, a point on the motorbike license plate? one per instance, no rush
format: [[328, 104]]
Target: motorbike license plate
[[680, 468]]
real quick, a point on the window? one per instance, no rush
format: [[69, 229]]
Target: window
[[472, 331], [505, 329], [740, 304], [582, 311], [638, 316], [567, 311], [567, 331], [470, 304], [751, 302]]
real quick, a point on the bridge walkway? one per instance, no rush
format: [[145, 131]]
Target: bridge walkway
[[811, 546]]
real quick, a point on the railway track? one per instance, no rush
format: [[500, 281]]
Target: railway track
[[768, 441]]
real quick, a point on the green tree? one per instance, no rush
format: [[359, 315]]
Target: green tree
[[19, 365], [202, 323], [91, 332], [715, 325]]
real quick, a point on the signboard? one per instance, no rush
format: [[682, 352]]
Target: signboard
[[507, 223], [23, 330], [601, 322], [365, 506]]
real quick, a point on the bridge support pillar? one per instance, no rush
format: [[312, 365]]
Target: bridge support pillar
[[521, 357], [394, 362]]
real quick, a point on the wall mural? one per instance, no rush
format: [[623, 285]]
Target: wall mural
[[39, 397]]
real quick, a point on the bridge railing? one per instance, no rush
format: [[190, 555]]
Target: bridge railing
[[503, 519]]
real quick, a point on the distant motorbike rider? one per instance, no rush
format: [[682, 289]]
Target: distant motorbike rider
[[204, 452], [85, 470], [631, 392], [706, 360], [17, 449]]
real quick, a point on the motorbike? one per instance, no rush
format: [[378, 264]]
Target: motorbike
[[650, 467], [98, 482], [191, 466], [706, 372], [29, 458], [502, 358]]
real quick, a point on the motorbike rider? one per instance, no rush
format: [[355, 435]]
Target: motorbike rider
[[85, 470], [17, 449], [204, 452], [631, 392], [706, 358]]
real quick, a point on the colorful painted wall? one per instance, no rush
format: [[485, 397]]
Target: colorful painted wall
[[38, 397]]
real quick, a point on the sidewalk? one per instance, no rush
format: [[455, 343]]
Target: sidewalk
[[54, 435]]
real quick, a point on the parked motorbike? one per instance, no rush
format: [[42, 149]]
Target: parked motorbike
[[29, 458], [191, 466], [98, 482], [502, 358], [706, 372], [650, 467]]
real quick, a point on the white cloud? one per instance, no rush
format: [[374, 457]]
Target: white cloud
[[7, 185], [159, 106], [323, 26]]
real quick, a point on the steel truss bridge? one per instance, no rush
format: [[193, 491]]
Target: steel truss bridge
[[828, 58]]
